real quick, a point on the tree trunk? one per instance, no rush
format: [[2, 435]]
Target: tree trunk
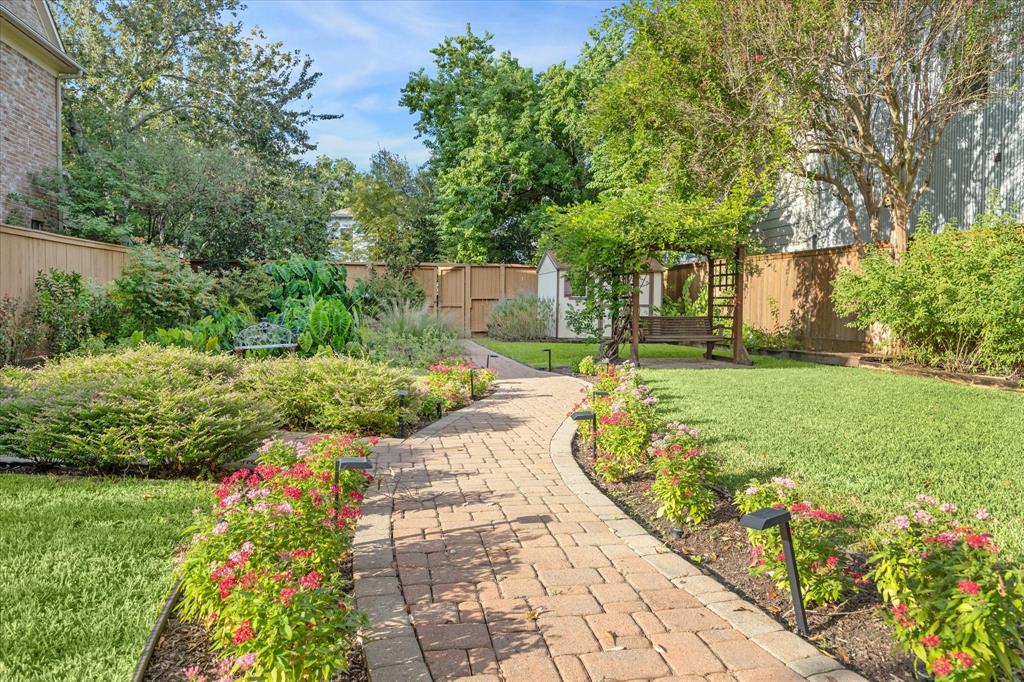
[[900, 235], [610, 346], [634, 315]]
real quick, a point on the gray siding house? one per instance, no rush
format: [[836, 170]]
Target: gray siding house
[[980, 156]]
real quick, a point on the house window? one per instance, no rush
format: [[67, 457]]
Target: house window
[[37, 224], [567, 287]]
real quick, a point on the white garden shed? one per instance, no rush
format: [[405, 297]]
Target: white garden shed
[[553, 285]]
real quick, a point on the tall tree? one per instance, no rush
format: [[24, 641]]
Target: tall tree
[[183, 63], [681, 162], [874, 84], [497, 161], [391, 204]]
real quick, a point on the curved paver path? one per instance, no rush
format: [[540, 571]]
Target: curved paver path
[[486, 554]]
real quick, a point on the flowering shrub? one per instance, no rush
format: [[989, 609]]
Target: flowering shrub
[[951, 603], [262, 571], [683, 475], [818, 538], [625, 421], [586, 366], [449, 382]]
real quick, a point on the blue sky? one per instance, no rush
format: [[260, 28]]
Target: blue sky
[[366, 51]]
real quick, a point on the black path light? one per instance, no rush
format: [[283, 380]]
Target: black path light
[[600, 394], [769, 517], [402, 395], [347, 463], [548, 351], [591, 416], [472, 383], [487, 365], [438, 407]]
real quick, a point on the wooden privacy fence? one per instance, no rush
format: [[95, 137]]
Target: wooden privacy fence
[[464, 293], [24, 252], [789, 289]]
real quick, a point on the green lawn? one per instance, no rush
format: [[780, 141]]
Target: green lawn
[[566, 354], [866, 441], [85, 567]]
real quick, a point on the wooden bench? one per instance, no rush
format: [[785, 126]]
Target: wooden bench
[[678, 329]]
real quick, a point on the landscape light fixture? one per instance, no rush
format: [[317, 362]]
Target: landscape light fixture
[[472, 383], [402, 395], [769, 517], [438, 407], [487, 365], [348, 463], [588, 415], [548, 351], [600, 394]]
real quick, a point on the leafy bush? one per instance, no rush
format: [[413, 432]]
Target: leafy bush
[[71, 309], [683, 475], [777, 336], [380, 293], [156, 290], [409, 334], [214, 332], [454, 383], [626, 420], [819, 537], [520, 319], [247, 286], [952, 603], [335, 393], [263, 570], [147, 409], [586, 366], [956, 299], [20, 331]]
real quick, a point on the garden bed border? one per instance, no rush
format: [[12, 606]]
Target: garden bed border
[[795, 652]]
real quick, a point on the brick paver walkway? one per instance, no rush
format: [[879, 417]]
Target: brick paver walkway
[[507, 574]]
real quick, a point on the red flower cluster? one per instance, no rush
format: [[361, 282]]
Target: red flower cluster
[[243, 634], [968, 587]]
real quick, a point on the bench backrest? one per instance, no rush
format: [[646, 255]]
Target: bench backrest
[[675, 326]]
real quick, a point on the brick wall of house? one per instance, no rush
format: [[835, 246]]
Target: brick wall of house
[[28, 129]]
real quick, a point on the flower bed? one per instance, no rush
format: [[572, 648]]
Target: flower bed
[[455, 382], [262, 571], [952, 605]]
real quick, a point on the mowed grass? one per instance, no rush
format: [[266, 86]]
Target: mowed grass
[[567, 354], [85, 566], [865, 441]]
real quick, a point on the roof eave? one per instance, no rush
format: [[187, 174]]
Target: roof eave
[[70, 66]]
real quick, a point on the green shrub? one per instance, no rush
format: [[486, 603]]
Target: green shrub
[[520, 319], [378, 294], [330, 392], [247, 286], [156, 290], [952, 603], [410, 335], [71, 309], [263, 570], [955, 299], [147, 409], [20, 330], [683, 306]]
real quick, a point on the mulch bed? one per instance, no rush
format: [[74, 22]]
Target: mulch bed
[[853, 632], [183, 645]]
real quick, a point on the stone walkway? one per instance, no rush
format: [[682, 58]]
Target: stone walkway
[[486, 554]]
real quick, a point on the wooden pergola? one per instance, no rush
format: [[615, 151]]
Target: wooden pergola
[[724, 318]]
